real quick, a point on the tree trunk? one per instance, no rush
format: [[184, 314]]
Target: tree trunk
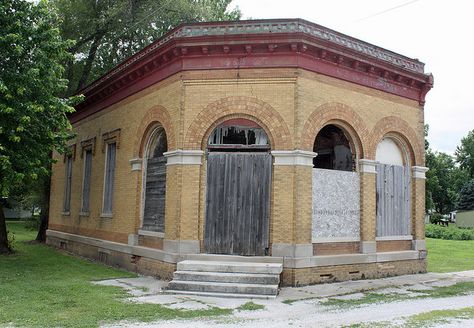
[[44, 216], [90, 59], [4, 247]]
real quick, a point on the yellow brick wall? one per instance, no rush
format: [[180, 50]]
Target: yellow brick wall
[[284, 101], [282, 229], [303, 204], [367, 207], [127, 116], [418, 208]]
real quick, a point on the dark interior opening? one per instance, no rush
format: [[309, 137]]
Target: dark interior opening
[[238, 135], [333, 149]]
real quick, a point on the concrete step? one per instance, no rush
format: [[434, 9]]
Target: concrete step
[[224, 295], [246, 278], [223, 287], [236, 267], [234, 258]]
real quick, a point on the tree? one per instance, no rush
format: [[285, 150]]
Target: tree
[[33, 118], [466, 198], [465, 153], [443, 181], [109, 31]]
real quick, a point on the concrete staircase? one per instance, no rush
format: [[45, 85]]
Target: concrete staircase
[[227, 276]]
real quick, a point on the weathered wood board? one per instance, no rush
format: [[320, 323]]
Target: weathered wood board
[[237, 203], [393, 200], [155, 193]]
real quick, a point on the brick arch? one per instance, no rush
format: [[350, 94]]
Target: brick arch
[[340, 115], [155, 115], [238, 107], [392, 125]]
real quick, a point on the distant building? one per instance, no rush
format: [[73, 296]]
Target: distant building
[[272, 139]]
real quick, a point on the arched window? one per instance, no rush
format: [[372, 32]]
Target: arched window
[[238, 133], [334, 150], [393, 189], [389, 152], [155, 182]]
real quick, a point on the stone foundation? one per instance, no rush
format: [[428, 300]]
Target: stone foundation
[[135, 263], [327, 274], [326, 269]]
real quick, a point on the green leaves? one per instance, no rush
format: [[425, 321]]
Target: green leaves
[[106, 32], [33, 119]]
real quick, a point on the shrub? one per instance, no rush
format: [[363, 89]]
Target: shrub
[[32, 223], [450, 233], [435, 218], [11, 240]]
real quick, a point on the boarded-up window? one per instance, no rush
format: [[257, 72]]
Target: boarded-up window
[[67, 189], [336, 205], [86, 183], [155, 183], [393, 200], [109, 178]]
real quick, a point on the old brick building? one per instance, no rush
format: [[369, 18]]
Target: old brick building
[[273, 139]]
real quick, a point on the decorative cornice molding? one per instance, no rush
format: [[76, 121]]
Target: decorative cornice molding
[[184, 157], [110, 137], [88, 144], [290, 43], [293, 157]]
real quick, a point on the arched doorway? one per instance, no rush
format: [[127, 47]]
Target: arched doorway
[[336, 188], [238, 189], [393, 189], [155, 181]]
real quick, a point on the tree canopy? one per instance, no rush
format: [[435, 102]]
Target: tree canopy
[[33, 118], [465, 153], [444, 180], [109, 31], [466, 198]]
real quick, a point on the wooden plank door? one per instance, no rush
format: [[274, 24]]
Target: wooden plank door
[[238, 203], [155, 192], [393, 200]]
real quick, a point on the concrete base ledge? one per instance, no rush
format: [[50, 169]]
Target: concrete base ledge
[[152, 253], [234, 258], [344, 259], [288, 262]]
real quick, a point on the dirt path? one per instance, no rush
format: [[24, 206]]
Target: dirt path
[[304, 307]]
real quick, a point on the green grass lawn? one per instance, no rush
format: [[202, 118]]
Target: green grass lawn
[[43, 287], [450, 255]]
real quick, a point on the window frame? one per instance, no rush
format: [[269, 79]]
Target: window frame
[[109, 180], [68, 160], [86, 211]]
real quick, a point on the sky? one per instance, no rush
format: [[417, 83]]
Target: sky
[[438, 33]]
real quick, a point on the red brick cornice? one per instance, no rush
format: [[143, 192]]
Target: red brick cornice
[[258, 44]]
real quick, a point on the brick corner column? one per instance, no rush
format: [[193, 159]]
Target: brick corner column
[[292, 203], [182, 201], [418, 207], [368, 220]]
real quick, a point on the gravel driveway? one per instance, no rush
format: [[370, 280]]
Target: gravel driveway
[[398, 300]]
